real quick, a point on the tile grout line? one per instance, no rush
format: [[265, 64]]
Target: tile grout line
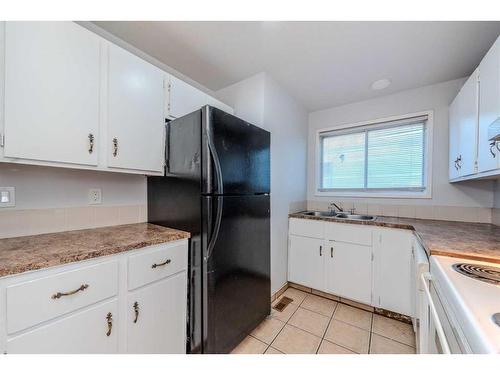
[[327, 326], [284, 325]]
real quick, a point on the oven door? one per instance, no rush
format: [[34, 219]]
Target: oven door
[[438, 334]]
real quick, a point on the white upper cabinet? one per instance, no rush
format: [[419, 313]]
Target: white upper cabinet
[[454, 144], [489, 108], [184, 98], [136, 119], [52, 72], [475, 119], [467, 116]]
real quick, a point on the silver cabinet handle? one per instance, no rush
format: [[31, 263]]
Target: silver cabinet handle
[[115, 146], [91, 143]]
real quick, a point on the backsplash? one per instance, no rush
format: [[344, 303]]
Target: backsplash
[[453, 213], [27, 222]]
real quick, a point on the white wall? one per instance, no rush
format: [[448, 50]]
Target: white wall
[[48, 187], [50, 199], [260, 100], [437, 98]]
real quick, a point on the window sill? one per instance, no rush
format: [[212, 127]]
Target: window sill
[[426, 194]]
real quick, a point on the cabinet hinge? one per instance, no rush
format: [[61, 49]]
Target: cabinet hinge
[[2, 140]]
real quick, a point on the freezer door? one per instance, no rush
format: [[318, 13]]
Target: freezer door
[[236, 155], [237, 286]]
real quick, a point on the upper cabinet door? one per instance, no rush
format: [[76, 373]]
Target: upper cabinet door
[[184, 98], [51, 92], [468, 115], [136, 120], [454, 144], [489, 108]]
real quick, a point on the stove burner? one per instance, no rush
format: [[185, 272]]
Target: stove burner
[[483, 273]]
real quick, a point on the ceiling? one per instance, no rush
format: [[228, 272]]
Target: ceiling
[[322, 64]]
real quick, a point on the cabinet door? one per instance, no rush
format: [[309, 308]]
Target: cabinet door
[[184, 98], [393, 271], [454, 137], [51, 92], [489, 108], [156, 318], [305, 261], [468, 115], [348, 271], [136, 122], [81, 333]]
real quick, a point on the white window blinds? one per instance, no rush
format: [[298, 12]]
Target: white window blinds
[[383, 156]]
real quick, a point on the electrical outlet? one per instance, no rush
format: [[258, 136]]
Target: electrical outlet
[[95, 196], [7, 196]]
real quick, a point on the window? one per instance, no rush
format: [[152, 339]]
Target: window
[[381, 157]]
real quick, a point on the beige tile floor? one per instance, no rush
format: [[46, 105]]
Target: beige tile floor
[[316, 325]]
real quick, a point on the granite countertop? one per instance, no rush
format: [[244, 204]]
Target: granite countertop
[[21, 254], [475, 241]]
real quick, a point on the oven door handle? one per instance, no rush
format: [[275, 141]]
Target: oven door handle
[[425, 277]]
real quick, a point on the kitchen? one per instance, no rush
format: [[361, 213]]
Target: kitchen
[[155, 204]]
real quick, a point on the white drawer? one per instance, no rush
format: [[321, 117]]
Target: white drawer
[[156, 263], [83, 332], [351, 233], [37, 301], [306, 228]]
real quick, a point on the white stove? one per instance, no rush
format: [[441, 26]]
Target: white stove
[[469, 292]]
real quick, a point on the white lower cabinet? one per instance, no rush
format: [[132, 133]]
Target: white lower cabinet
[[156, 318], [305, 261], [87, 332], [87, 307], [362, 263], [393, 270], [348, 271]]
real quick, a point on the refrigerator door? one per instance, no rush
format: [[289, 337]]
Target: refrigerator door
[[236, 287], [236, 155]]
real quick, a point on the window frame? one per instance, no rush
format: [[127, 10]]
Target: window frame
[[379, 123]]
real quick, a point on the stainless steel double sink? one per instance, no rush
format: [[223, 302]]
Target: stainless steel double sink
[[339, 215]]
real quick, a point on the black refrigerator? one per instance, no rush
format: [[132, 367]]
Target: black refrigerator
[[217, 186]]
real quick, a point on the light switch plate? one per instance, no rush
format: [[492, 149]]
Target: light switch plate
[[95, 196], [7, 197]]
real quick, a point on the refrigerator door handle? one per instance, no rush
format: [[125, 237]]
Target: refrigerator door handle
[[215, 157], [215, 232]]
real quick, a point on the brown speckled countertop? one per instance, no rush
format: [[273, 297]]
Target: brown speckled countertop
[[475, 241], [21, 254]]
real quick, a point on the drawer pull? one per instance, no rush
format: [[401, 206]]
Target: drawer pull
[[136, 311], [80, 289], [109, 319], [161, 264]]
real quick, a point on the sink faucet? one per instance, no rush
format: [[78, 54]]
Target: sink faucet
[[332, 206]]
